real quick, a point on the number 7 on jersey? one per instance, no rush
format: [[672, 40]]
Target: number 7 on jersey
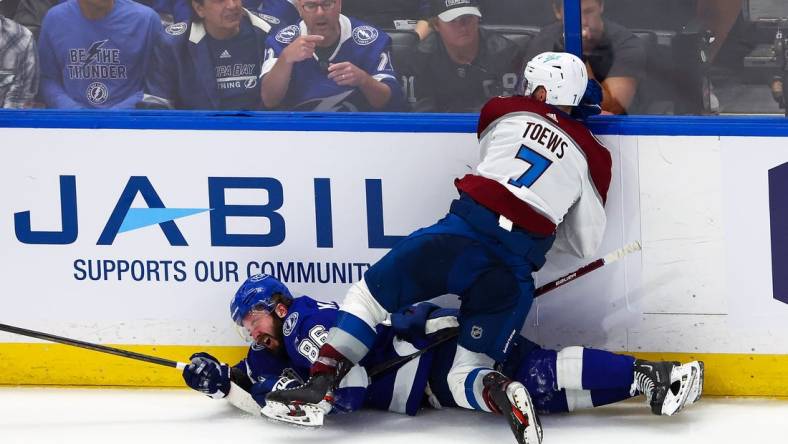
[[538, 165]]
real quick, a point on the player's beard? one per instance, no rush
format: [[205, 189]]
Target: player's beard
[[279, 336]]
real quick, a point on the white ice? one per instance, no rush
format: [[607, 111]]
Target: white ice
[[145, 416]]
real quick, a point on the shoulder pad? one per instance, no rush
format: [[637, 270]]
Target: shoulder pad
[[287, 34], [176, 28], [365, 34]]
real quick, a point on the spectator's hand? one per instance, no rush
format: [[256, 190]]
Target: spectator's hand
[[777, 91], [301, 48], [590, 71], [347, 74]]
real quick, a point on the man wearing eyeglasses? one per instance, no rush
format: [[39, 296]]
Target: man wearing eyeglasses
[[329, 62]]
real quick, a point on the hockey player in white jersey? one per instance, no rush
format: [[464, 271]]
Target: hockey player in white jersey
[[543, 179]]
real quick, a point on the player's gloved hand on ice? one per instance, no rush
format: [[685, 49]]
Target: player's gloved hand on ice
[[590, 104], [207, 375]]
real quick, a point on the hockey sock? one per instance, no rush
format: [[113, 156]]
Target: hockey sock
[[354, 333], [579, 368], [466, 377], [327, 361]]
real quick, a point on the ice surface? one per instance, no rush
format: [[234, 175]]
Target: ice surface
[[146, 416]]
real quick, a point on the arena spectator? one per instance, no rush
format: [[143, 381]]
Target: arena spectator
[[30, 13], [410, 15], [171, 11], [460, 66], [18, 65], [614, 56], [212, 62], [278, 13], [94, 53], [329, 62]]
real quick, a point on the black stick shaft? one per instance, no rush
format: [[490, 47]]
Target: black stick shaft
[[90, 346], [585, 269]]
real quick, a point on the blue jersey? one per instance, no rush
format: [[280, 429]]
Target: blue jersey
[[189, 73], [310, 88], [305, 329], [278, 13], [95, 63]]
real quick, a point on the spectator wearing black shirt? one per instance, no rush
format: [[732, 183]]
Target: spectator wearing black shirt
[[460, 66], [614, 56]]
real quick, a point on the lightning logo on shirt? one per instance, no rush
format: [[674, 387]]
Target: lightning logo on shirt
[[93, 51]]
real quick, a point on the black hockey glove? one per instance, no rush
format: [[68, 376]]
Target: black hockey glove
[[207, 375]]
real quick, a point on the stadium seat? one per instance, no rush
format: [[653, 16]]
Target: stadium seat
[[533, 13], [402, 43], [520, 35]]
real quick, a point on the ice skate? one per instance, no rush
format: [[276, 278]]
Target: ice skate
[[668, 386], [513, 401], [302, 405]]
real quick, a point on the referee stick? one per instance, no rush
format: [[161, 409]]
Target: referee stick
[[451, 333]]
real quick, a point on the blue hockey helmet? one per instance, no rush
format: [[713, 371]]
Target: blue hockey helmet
[[256, 293]]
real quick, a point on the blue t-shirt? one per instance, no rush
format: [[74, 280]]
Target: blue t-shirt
[[310, 88], [237, 68], [278, 13], [95, 63]]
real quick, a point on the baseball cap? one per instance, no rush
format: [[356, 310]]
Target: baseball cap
[[448, 10]]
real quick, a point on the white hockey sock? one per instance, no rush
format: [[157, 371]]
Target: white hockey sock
[[354, 335], [569, 369], [465, 378]]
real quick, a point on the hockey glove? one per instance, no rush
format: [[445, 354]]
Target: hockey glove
[[207, 375], [590, 104], [409, 322]]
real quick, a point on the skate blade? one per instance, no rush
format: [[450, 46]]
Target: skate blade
[[305, 415], [697, 390], [521, 400], [690, 377]]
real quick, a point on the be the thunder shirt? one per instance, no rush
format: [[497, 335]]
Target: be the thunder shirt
[[96, 63]]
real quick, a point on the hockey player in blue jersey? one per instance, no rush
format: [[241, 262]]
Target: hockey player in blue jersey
[[329, 62], [278, 13], [213, 62], [94, 54], [287, 332], [542, 179]]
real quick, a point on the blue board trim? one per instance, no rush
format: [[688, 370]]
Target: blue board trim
[[749, 126]]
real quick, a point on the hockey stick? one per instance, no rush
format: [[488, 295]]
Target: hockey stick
[[451, 333], [94, 347], [237, 395], [585, 269]]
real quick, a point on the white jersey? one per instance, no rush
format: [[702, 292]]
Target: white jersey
[[543, 171]]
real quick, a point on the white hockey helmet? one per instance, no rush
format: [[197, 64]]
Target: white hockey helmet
[[563, 76]]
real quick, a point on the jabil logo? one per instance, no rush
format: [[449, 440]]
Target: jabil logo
[[124, 218]]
